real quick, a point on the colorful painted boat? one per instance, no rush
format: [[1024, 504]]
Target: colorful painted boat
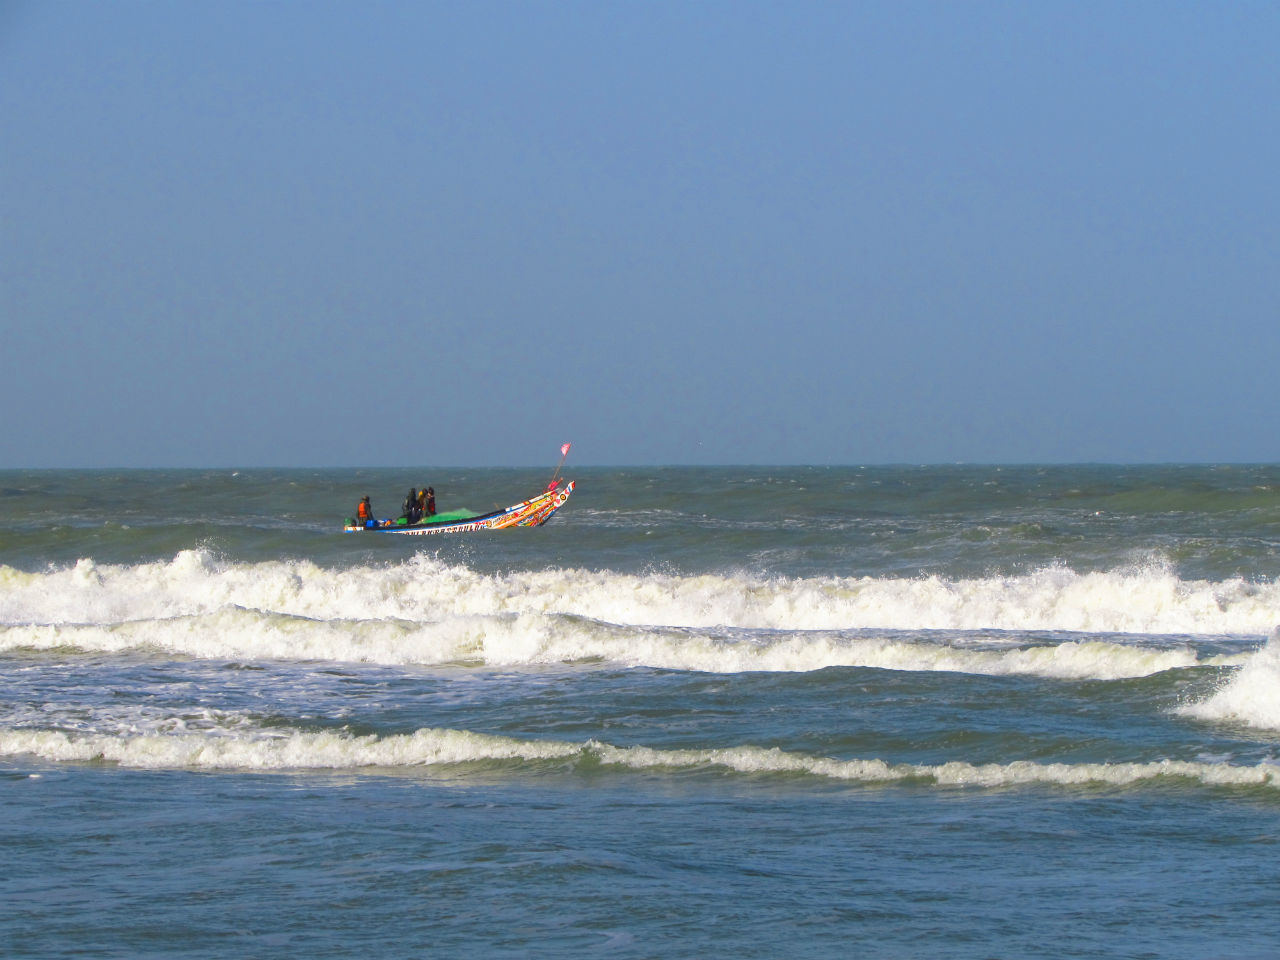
[[531, 513]]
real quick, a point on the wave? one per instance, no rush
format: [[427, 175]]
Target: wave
[[296, 750], [425, 611], [1145, 600], [1251, 696], [534, 639]]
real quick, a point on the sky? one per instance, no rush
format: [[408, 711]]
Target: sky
[[461, 234]]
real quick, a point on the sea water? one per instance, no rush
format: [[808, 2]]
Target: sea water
[[893, 712]]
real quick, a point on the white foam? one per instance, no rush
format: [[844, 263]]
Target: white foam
[[279, 750], [338, 750], [128, 720], [1251, 696], [956, 773], [426, 611], [531, 639]]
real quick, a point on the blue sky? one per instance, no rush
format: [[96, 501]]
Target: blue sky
[[330, 234]]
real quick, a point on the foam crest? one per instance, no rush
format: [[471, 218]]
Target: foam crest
[[749, 759], [286, 750], [532, 639], [427, 611], [302, 750], [1250, 697], [239, 634], [815, 651], [1145, 600]]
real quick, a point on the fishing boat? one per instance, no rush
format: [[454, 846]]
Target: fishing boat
[[533, 512]]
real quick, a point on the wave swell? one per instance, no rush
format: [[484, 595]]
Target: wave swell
[[1139, 601], [312, 751], [533, 639], [1251, 696]]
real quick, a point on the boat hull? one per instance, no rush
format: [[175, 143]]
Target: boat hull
[[533, 512]]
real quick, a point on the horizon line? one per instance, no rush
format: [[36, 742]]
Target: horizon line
[[898, 464]]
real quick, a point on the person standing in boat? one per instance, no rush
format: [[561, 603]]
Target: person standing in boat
[[364, 513], [430, 504], [411, 512]]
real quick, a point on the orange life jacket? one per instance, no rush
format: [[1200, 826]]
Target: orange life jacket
[[363, 512]]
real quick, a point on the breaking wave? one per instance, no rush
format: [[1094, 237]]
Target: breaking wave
[[425, 611], [1251, 696], [1144, 600], [439, 748], [530, 639]]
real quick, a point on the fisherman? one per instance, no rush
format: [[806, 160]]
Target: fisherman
[[411, 512], [364, 513], [430, 510]]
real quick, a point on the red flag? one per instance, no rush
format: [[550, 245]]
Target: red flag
[[564, 451]]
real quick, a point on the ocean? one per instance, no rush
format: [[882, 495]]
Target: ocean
[[749, 712]]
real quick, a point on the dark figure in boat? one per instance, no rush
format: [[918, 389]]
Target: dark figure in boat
[[412, 511]]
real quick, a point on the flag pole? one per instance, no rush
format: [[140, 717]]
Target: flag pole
[[564, 452]]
